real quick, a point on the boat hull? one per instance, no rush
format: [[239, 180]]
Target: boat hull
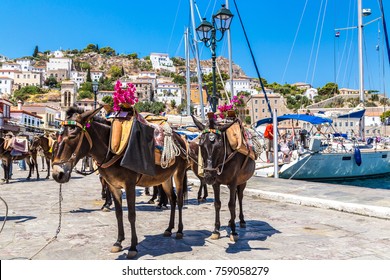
[[320, 166]]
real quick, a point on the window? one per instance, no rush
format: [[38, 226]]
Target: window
[[346, 124], [351, 123]]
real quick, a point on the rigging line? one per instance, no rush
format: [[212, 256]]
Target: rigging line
[[345, 42], [319, 42], [314, 40], [173, 27], [385, 29], [254, 61], [295, 38]]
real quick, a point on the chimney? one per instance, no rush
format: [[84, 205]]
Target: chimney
[[20, 105]]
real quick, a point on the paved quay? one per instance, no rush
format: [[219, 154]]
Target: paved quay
[[285, 220]]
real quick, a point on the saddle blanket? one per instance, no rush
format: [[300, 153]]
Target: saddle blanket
[[20, 144]]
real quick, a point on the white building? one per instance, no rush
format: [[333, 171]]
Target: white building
[[311, 93], [11, 66], [165, 92], [96, 75], [162, 61], [27, 120], [78, 77], [243, 85], [3, 58], [59, 63], [57, 54], [6, 85], [25, 64]]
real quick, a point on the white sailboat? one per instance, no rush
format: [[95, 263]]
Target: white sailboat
[[323, 160]]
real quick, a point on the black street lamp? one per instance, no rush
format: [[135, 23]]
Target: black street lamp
[[95, 88], [207, 34]]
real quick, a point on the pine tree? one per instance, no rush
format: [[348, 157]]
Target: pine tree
[[89, 75], [35, 54], [123, 71]]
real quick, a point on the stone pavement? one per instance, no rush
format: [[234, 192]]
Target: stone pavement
[[285, 220]]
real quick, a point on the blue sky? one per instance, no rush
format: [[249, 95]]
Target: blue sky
[[283, 52]]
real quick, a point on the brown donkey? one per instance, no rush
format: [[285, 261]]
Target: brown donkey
[[78, 141], [222, 165]]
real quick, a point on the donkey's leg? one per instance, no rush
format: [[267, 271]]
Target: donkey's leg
[[205, 192], [117, 195], [6, 168], [232, 209], [48, 167], [181, 187], [130, 196], [168, 189], [35, 163], [30, 167], [154, 196], [240, 195], [217, 206]]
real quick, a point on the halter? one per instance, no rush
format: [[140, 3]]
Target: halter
[[225, 159], [84, 132]]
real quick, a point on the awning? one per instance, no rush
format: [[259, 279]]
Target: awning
[[299, 117]]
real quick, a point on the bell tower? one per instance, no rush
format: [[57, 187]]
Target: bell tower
[[68, 96]]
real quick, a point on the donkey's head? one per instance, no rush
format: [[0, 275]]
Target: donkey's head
[[75, 143], [213, 148]]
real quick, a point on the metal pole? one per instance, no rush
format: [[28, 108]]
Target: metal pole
[[187, 51], [94, 104], [230, 56], [275, 132], [361, 72], [214, 99]]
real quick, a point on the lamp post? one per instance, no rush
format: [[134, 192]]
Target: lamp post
[[95, 88], [207, 33]]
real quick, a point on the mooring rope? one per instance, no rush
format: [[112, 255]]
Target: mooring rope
[[59, 224], [170, 150]]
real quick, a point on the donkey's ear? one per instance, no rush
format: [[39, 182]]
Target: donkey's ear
[[89, 114], [226, 126], [200, 125]]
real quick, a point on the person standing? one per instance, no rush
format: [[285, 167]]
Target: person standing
[[269, 136]]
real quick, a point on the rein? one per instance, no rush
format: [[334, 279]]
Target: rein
[[85, 133], [225, 159]]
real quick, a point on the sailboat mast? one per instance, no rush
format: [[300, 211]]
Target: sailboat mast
[[361, 72], [187, 51], [197, 61], [360, 47]]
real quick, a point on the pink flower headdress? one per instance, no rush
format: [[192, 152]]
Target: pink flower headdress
[[124, 98]]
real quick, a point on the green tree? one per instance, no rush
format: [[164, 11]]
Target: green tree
[[115, 72], [132, 56], [88, 79], [151, 107], [35, 53], [329, 90], [85, 94], [123, 71], [90, 48], [51, 82], [384, 116], [108, 100], [25, 92], [107, 51]]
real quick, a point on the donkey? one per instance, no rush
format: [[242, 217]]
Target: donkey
[[80, 139], [223, 165], [193, 162], [43, 142], [7, 159]]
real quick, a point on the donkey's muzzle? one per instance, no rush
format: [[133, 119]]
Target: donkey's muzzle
[[60, 173]]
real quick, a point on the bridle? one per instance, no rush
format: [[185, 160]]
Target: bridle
[[84, 133], [219, 168]]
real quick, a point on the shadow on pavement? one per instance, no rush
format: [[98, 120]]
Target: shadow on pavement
[[254, 231], [18, 219]]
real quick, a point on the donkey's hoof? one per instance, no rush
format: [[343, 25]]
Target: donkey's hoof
[[179, 235], [151, 201], [106, 208], [242, 225], [116, 248], [215, 235], [234, 237], [167, 233], [28, 178], [47, 177], [132, 254]]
